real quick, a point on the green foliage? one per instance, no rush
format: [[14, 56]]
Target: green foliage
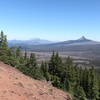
[[55, 65], [79, 93], [83, 84], [67, 76], [44, 70]]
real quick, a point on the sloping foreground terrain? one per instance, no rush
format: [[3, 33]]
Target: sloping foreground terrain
[[16, 86]]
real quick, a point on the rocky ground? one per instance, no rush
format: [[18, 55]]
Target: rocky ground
[[16, 86]]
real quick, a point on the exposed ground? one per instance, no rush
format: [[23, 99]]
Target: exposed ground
[[83, 59], [16, 86]]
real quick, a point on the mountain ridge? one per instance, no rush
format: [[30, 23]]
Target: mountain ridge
[[35, 41], [38, 41], [82, 44], [80, 41]]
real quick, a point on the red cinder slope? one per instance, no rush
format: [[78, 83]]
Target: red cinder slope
[[16, 86]]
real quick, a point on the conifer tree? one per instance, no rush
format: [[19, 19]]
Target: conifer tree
[[55, 65], [79, 93], [18, 52], [92, 90], [3, 40], [44, 70], [25, 55], [33, 61], [52, 64], [67, 85], [3, 47], [58, 65]]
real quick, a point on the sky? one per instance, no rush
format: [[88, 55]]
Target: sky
[[55, 20]]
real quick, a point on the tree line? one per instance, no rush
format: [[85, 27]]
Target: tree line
[[82, 83]]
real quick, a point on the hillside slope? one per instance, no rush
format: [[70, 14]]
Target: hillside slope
[[16, 86]]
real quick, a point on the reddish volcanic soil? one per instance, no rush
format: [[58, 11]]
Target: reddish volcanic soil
[[16, 86]]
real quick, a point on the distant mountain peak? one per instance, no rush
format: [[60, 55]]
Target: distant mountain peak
[[83, 38]]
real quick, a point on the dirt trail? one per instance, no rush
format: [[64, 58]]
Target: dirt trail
[[16, 86]]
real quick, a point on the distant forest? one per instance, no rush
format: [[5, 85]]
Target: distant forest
[[81, 83]]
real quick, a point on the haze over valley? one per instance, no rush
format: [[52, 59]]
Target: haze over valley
[[82, 50]]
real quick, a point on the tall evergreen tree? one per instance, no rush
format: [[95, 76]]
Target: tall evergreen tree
[[44, 70], [52, 64], [79, 93], [55, 64], [92, 90]]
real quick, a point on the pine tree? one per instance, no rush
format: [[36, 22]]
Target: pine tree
[[79, 93], [58, 65], [18, 52], [52, 64], [3, 47], [44, 70], [68, 68], [3, 40], [92, 91], [25, 55], [67, 85], [55, 65], [32, 61]]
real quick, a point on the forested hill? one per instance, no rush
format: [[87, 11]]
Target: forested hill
[[81, 83]]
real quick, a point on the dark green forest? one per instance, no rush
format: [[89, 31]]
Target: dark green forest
[[81, 83]]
